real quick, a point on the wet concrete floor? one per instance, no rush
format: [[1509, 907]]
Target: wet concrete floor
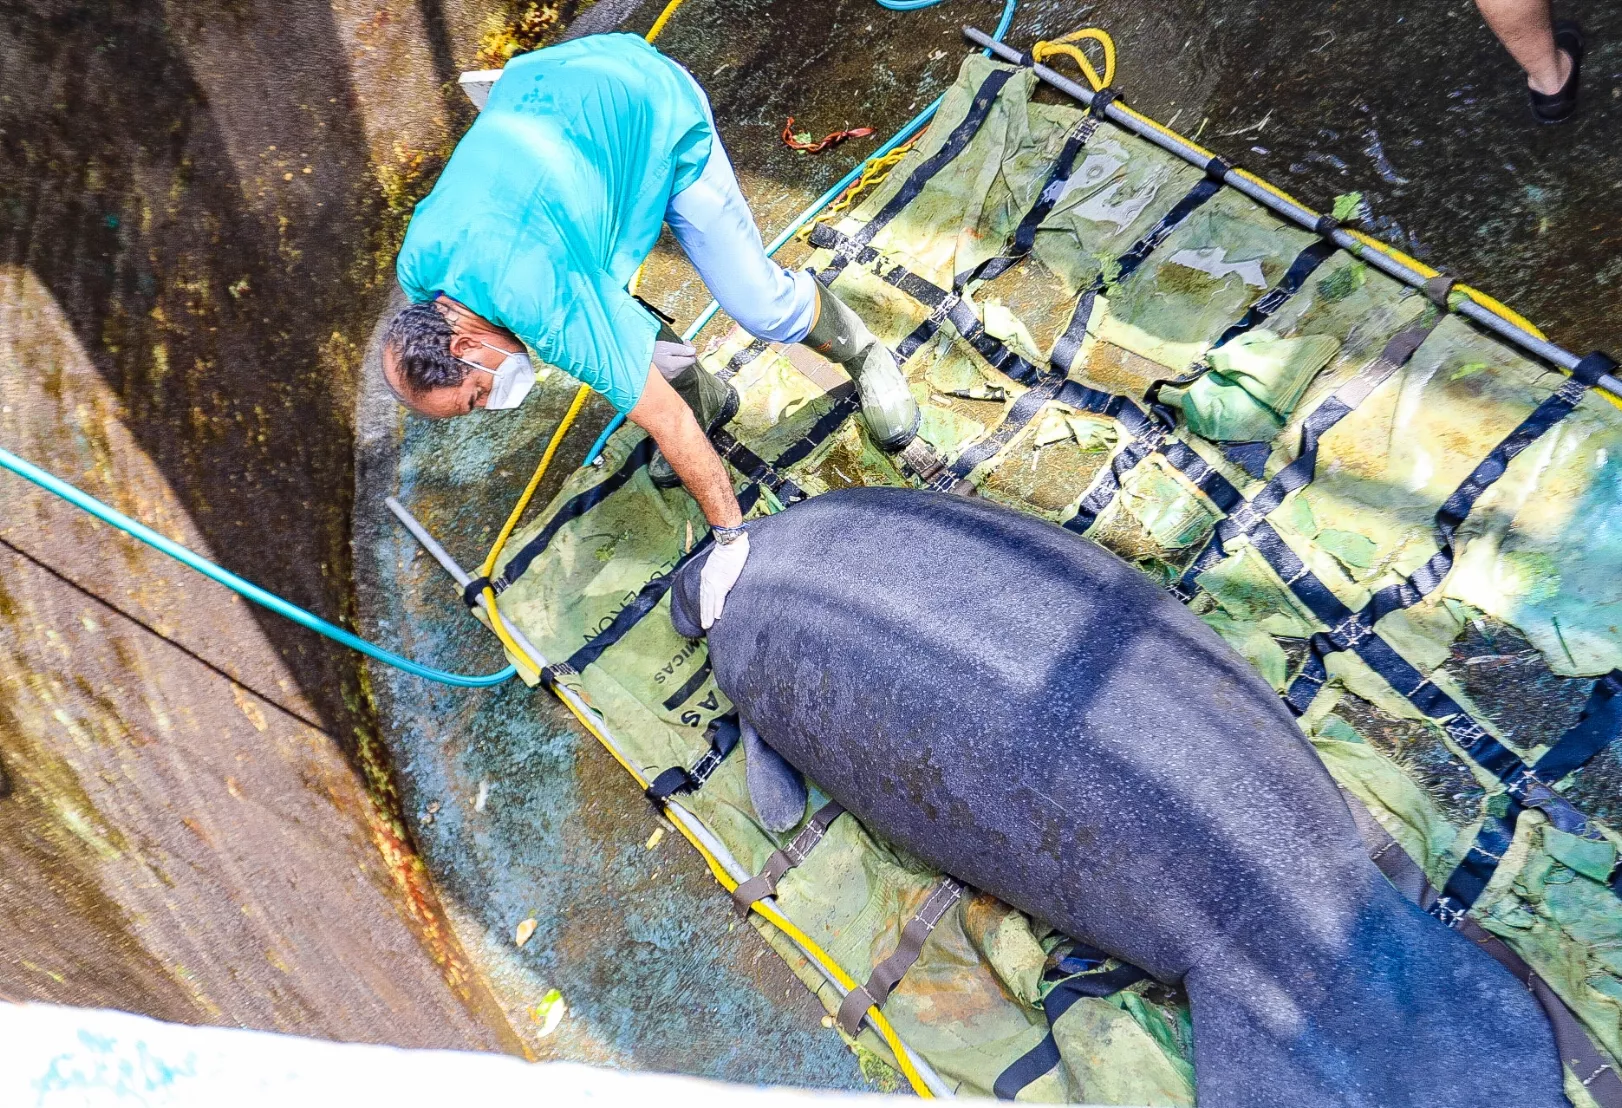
[[197, 210]]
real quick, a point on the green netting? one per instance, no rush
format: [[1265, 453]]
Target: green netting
[[1534, 568]]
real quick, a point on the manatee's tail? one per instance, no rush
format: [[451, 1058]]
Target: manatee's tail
[[1399, 1013]]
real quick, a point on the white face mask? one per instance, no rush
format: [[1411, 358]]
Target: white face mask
[[514, 377]]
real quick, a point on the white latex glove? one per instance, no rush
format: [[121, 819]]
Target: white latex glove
[[720, 573], [670, 358]]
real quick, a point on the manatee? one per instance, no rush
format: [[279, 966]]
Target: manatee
[[1021, 709]]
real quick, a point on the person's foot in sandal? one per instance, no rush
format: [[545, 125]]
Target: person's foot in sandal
[[1558, 105]]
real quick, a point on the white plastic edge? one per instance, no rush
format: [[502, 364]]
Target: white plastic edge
[[477, 83]]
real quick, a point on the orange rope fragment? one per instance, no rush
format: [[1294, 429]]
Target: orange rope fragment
[[794, 142]]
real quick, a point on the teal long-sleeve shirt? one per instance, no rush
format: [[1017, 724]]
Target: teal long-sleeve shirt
[[553, 198]]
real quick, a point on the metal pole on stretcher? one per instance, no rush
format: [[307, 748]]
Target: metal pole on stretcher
[[1296, 213], [674, 811]]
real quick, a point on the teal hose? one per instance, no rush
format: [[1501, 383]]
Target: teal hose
[[80, 499], [912, 127]]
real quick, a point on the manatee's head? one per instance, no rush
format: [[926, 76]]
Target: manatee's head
[[684, 598]]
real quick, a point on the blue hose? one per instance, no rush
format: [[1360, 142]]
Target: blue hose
[[80, 499], [913, 126]]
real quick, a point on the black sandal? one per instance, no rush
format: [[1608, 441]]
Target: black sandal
[[1559, 106]]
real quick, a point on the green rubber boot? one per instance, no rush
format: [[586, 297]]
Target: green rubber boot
[[887, 404], [713, 401]]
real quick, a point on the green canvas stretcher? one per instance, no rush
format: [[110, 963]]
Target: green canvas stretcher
[[1349, 419]]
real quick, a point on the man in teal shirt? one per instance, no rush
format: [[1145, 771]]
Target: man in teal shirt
[[546, 208]]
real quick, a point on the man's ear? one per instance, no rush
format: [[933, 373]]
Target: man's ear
[[462, 346]]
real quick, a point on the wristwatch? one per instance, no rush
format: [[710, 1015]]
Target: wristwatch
[[726, 535]]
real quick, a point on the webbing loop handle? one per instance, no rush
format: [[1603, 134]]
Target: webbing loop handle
[[888, 973], [764, 883], [1437, 289]]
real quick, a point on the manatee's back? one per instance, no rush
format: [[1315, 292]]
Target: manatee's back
[[1022, 709]]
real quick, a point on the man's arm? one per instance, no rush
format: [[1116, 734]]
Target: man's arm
[[664, 416]]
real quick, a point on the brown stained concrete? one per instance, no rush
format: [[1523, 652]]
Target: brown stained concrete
[[197, 821]]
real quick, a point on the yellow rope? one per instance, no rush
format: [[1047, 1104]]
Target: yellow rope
[[664, 17], [872, 175], [489, 564], [1065, 44]]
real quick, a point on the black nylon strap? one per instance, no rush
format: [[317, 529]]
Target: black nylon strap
[[1355, 631], [648, 597], [888, 973], [1153, 430], [473, 591], [722, 736], [574, 509], [1218, 168], [1577, 1050], [845, 404], [755, 468], [1068, 345], [742, 358], [1299, 473], [1458, 506], [1052, 189], [1041, 1058], [1470, 877], [1597, 728], [1305, 264], [944, 307], [1019, 416], [553, 676], [1326, 226], [1102, 99], [1145, 441], [764, 883], [955, 144]]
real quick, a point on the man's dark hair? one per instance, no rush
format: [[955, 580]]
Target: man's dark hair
[[420, 338]]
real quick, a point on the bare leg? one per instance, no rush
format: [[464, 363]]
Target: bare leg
[[1525, 29]]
